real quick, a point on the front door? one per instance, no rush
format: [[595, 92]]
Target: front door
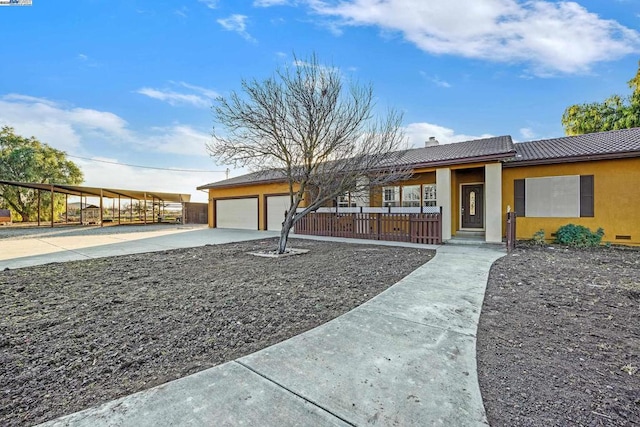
[[473, 206]]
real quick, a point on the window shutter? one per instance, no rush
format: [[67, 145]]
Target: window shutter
[[586, 196], [518, 197]]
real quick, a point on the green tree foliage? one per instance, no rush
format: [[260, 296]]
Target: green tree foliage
[[613, 113], [28, 160]]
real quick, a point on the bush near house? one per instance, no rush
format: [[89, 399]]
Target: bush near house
[[578, 236], [538, 237]]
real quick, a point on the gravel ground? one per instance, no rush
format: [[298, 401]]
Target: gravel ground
[[559, 338], [75, 335]]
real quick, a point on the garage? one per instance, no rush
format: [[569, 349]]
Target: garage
[[276, 206], [237, 213]]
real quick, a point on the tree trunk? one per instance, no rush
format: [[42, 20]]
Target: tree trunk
[[25, 216], [284, 233]]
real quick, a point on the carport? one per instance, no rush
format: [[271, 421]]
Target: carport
[[155, 197]]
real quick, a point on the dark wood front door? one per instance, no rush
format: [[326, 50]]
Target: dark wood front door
[[473, 206]]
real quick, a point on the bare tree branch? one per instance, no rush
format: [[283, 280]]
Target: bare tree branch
[[323, 138]]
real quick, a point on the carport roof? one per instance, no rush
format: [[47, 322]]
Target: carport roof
[[77, 190]]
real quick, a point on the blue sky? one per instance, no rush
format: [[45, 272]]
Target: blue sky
[[132, 82]]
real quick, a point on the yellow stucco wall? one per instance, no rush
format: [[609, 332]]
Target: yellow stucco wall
[[253, 190], [616, 198]]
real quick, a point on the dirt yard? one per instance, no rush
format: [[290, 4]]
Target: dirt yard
[[559, 338], [78, 334]]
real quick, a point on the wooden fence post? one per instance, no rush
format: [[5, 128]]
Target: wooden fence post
[[511, 231]]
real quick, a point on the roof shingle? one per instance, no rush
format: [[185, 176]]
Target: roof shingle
[[498, 148], [580, 147], [612, 144], [460, 152]]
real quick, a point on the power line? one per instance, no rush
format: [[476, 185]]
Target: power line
[[147, 167]]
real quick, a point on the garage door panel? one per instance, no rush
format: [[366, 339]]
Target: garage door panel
[[276, 207], [237, 213]]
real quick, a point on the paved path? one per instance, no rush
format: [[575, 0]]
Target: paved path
[[405, 358], [59, 245]]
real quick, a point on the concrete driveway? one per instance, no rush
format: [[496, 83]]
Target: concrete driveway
[[43, 246]]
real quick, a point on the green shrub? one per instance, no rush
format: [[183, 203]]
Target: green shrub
[[578, 236], [538, 237]]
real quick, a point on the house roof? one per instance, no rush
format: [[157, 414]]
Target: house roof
[[592, 146], [265, 176], [495, 148]]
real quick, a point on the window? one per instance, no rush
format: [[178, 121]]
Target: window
[[343, 201], [586, 196], [518, 197], [411, 196], [390, 196], [569, 196], [360, 198], [429, 195]]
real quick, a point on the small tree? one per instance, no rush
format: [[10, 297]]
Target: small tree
[[303, 126], [613, 113], [28, 160]]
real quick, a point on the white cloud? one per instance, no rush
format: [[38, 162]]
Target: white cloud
[[436, 80], [211, 4], [57, 125], [551, 37], [211, 94], [418, 133], [177, 139], [174, 98], [182, 12], [236, 23], [78, 131], [108, 175], [86, 60], [202, 98], [527, 133], [269, 3], [75, 129]]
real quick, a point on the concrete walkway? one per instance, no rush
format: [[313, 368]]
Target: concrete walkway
[[405, 358], [59, 245]]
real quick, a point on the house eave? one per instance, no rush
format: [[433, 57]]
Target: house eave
[[571, 159], [465, 160], [437, 163], [241, 184]]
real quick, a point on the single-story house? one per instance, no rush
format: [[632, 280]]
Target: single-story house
[[591, 180]]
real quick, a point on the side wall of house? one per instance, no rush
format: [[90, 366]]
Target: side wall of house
[[616, 198], [259, 191]]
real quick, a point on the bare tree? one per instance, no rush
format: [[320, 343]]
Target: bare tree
[[304, 126]]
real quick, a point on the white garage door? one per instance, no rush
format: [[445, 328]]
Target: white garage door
[[276, 206], [237, 213]]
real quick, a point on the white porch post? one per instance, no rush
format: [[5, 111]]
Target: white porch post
[[493, 198], [443, 199]]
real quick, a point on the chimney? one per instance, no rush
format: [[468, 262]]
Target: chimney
[[432, 142]]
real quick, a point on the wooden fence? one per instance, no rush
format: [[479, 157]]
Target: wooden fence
[[425, 228], [511, 231]]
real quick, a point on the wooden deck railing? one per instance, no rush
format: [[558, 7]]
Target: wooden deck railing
[[425, 228]]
